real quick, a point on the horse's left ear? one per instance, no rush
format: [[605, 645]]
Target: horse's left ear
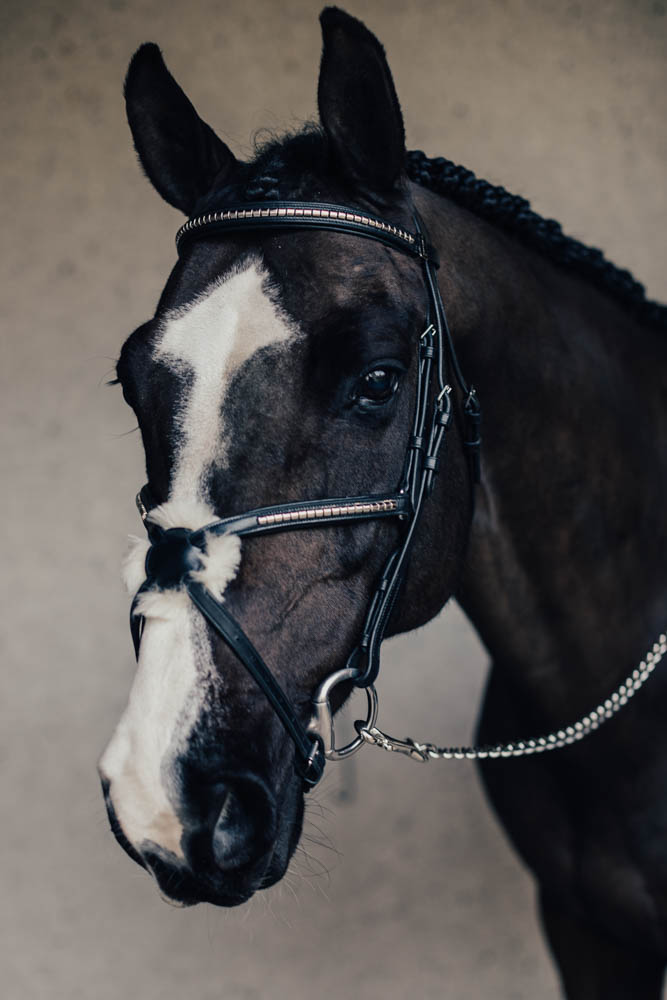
[[181, 154], [358, 106]]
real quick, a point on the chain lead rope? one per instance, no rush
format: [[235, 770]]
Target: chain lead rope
[[522, 748]]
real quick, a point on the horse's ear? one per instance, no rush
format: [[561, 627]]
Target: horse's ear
[[358, 106], [181, 154]]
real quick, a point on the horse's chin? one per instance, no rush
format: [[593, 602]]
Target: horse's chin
[[179, 886]]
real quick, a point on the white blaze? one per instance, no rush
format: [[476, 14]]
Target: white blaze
[[207, 341]]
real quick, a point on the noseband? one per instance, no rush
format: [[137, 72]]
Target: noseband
[[174, 552]]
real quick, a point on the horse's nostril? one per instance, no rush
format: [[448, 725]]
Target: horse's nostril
[[243, 830], [232, 834]]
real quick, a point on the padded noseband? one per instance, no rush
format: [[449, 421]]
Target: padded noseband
[[171, 558]]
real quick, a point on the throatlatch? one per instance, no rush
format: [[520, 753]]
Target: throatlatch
[[175, 553]]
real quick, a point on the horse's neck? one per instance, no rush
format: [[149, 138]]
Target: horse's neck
[[565, 574]]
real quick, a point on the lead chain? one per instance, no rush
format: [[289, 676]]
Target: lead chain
[[521, 748]]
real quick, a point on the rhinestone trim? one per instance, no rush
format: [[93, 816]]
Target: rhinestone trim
[[239, 214], [317, 513]]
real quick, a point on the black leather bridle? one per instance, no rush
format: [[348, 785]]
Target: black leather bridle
[[174, 552]]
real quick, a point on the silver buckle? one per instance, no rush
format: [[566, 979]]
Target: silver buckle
[[322, 723]]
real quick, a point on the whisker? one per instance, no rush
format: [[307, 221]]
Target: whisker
[[315, 867], [287, 884], [326, 840], [116, 437]]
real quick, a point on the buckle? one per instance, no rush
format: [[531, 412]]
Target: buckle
[[472, 407], [314, 766]]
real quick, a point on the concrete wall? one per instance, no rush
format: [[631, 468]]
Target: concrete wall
[[406, 885]]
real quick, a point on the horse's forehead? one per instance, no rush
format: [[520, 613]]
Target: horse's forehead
[[224, 325], [204, 343], [311, 274]]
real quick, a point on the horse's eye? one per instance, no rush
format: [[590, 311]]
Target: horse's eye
[[377, 386]]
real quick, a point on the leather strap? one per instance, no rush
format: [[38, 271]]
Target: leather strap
[[420, 468], [288, 516], [303, 215], [308, 749]]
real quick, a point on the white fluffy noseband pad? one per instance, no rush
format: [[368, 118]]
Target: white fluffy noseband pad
[[220, 562]]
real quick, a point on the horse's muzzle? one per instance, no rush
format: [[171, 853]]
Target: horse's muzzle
[[228, 844]]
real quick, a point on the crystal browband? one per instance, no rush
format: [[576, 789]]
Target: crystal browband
[[292, 215], [244, 214]]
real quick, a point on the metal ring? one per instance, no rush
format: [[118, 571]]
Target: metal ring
[[322, 723]]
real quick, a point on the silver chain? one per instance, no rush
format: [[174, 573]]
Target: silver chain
[[521, 748]]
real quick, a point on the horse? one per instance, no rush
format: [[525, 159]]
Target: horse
[[338, 314]]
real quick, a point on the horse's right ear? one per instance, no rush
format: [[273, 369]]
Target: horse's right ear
[[181, 154], [359, 109]]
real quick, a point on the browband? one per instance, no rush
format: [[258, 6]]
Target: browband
[[298, 215]]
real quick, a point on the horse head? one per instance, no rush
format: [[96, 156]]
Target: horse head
[[279, 367]]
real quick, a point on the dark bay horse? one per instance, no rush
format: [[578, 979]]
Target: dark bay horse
[[282, 367]]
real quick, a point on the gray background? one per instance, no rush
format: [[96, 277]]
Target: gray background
[[406, 885]]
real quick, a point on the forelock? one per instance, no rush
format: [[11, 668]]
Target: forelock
[[287, 167]]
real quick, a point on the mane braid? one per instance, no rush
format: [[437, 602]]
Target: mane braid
[[285, 168], [513, 214]]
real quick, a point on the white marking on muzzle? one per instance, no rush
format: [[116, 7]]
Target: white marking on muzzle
[[206, 342], [168, 691], [163, 706]]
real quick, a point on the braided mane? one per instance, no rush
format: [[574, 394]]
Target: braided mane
[[279, 165], [514, 214]]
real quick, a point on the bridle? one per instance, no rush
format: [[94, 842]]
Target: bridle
[[173, 554]]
